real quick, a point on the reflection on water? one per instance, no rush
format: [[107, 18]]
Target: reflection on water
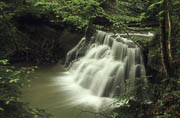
[[61, 97]]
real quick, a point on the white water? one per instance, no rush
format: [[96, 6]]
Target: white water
[[108, 63], [149, 34]]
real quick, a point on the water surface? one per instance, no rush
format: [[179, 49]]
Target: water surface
[[60, 97]]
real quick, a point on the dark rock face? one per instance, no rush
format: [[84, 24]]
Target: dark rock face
[[90, 32], [80, 49], [45, 41]]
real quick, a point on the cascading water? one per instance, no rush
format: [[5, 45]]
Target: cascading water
[[108, 63]]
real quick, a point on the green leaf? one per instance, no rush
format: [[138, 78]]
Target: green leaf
[[115, 115], [156, 4], [4, 62], [14, 80], [1, 109], [7, 102]]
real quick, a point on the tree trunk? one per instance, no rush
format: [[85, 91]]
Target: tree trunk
[[169, 31], [179, 22], [169, 37], [163, 43]]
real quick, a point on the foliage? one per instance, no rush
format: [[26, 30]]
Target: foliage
[[81, 13], [169, 102], [77, 12], [11, 82], [135, 99], [10, 35], [135, 102]]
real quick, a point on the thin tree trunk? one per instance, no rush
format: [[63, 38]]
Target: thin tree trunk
[[163, 43], [169, 37], [179, 22], [169, 31]]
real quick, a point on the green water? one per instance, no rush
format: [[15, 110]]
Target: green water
[[46, 94]]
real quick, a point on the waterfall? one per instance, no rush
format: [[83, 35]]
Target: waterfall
[[109, 61]]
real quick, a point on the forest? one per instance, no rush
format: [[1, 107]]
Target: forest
[[42, 32]]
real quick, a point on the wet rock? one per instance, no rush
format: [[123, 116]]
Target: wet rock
[[80, 49]]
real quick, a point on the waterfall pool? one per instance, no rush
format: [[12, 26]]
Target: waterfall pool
[[60, 97]]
